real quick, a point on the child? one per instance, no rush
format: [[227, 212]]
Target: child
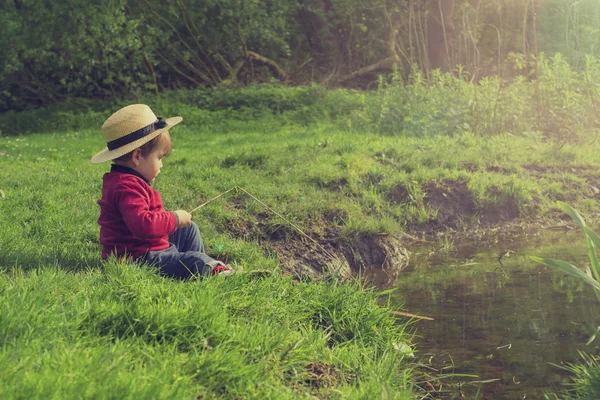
[[133, 221]]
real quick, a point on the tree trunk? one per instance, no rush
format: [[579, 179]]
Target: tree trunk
[[439, 34]]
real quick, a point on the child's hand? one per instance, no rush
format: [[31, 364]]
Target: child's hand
[[185, 218]]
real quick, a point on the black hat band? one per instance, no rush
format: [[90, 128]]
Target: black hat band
[[140, 133]]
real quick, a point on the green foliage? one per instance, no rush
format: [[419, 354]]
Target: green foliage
[[593, 242], [365, 182], [53, 51], [203, 106], [586, 379], [567, 98], [205, 42], [119, 49], [570, 27], [275, 98], [561, 103]]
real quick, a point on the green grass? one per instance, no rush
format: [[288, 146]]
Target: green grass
[[586, 375], [124, 332], [586, 380]]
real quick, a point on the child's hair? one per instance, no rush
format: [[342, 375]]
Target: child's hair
[[161, 142]]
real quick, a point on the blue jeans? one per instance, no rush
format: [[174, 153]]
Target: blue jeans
[[185, 257]]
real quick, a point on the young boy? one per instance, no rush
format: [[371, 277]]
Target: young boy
[[133, 221]]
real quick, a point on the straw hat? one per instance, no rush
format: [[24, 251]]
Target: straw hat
[[129, 128]]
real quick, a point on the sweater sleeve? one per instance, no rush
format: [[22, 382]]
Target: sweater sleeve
[[134, 205]]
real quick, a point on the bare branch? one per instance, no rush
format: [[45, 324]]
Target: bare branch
[[270, 63]]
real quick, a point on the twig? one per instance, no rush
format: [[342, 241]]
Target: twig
[[553, 227], [214, 198], [503, 254], [416, 239], [405, 314]]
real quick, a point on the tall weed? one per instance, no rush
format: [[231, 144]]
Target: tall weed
[[561, 103], [587, 375]]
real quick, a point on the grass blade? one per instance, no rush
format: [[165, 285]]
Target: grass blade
[[593, 333], [569, 269], [386, 292], [571, 212], [593, 256], [593, 236]]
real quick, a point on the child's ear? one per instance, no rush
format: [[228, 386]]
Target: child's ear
[[135, 156]]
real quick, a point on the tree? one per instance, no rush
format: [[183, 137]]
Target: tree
[[53, 50], [210, 42]]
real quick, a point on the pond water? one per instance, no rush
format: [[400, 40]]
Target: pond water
[[505, 322]]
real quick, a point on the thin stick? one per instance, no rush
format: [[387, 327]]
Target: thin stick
[[214, 198], [405, 314], [268, 208]]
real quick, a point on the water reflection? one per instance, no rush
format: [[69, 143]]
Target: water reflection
[[505, 321]]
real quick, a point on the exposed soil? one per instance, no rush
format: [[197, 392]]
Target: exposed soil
[[327, 254], [498, 169], [452, 200], [508, 211], [320, 375], [322, 251], [454, 206], [384, 252], [399, 195]]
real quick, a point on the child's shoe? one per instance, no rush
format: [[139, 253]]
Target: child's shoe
[[223, 270]]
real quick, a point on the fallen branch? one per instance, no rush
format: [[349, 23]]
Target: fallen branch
[[270, 63], [385, 64]]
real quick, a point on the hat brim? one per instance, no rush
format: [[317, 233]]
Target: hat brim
[[108, 155]]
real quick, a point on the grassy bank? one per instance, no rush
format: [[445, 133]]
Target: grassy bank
[[72, 328]]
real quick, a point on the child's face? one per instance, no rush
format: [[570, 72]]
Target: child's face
[[149, 166]]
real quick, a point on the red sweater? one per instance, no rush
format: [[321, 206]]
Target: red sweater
[[132, 219]]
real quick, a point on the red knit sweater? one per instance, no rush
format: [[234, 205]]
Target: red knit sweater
[[132, 219]]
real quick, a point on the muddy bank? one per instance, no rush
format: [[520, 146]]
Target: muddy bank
[[323, 251]]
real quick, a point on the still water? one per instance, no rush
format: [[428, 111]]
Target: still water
[[505, 322]]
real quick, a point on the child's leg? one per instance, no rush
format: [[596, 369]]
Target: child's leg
[[181, 264], [187, 239]]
